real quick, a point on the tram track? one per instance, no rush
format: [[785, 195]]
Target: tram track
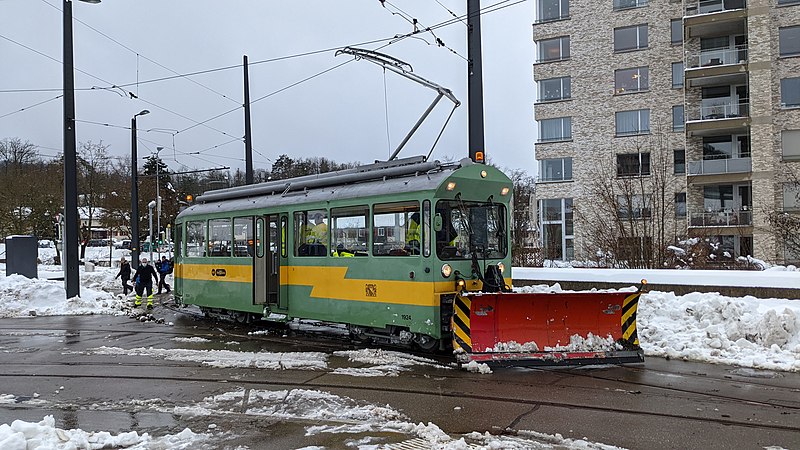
[[314, 383]]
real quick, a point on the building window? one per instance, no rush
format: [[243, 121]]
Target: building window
[[631, 80], [677, 30], [679, 157], [680, 204], [790, 92], [791, 197], [627, 4], [630, 123], [790, 142], [789, 41], [630, 38], [634, 206], [677, 74], [633, 164], [556, 49], [553, 89], [677, 118], [559, 169], [558, 129], [547, 10], [557, 229]]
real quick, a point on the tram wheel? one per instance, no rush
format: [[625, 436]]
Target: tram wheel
[[426, 343]]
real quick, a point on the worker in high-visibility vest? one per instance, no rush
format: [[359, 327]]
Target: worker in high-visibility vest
[[413, 235], [318, 232], [340, 252]]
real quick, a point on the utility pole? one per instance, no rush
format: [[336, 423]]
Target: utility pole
[[475, 82], [135, 193], [248, 137], [72, 281]]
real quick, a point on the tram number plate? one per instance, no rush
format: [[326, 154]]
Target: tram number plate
[[371, 290], [218, 272], [405, 316]]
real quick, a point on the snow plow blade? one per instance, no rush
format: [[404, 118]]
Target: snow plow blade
[[546, 329]]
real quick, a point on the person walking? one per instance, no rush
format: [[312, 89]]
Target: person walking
[[164, 269], [125, 273], [143, 281]]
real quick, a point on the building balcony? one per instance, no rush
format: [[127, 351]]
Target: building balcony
[[720, 166], [706, 219], [718, 67], [719, 119], [709, 18]]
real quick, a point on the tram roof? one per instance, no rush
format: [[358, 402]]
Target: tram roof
[[337, 187]]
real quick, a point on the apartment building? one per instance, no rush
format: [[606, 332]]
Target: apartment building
[[709, 88]]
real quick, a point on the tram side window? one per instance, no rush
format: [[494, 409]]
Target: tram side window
[[196, 238], [243, 236], [349, 231], [396, 229], [219, 237], [311, 233]]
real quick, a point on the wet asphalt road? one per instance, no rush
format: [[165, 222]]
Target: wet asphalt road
[[658, 405]]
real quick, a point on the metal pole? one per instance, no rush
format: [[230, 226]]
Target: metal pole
[[248, 137], [475, 82], [158, 199], [72, 280], [150, 230], [134, 199]]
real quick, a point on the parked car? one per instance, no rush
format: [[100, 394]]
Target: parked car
[[46, 243], [97, 243], [126, 244]]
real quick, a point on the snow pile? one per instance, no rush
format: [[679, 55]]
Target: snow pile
[[21, 435], [747, 332], [385, 362], [476, 367], [590, 343], [20, 296], [513, 346], [226, 358], [298, 404]]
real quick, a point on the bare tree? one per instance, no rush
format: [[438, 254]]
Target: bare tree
[[632, 204], [524, 232], [93, 165]]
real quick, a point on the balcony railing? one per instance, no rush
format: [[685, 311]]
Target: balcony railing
[[719, 57], [721, 219], [712, 6], [718, 166], [724, 111]]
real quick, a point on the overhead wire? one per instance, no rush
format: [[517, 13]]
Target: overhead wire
[[32, 106], [138, 55]]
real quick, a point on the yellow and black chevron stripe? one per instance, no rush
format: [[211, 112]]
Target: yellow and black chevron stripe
[[629, 307], [460, 325]]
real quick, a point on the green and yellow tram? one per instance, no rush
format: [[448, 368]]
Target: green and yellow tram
[[383, 248]]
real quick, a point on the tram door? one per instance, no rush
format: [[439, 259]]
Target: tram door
[[270, 251]]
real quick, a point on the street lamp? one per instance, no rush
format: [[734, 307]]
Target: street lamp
[[150, 207], [72, 282], [158, 197], [135, 193]]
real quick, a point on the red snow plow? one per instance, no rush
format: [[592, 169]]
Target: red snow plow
[[545, 329]]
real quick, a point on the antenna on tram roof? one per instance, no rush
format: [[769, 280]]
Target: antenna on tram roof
[[404, 69]]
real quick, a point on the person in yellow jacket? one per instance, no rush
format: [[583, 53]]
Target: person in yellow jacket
[[413, 236], [340, 252], [318, 232]]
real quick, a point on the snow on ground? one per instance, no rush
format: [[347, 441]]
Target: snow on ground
[[384, 362], [777, 276]]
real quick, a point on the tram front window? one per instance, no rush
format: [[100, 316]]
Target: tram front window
[[470, 227]]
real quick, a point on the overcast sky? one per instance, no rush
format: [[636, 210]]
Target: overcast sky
[[340, 114]]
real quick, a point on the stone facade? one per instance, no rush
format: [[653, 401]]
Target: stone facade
[[594, 100]]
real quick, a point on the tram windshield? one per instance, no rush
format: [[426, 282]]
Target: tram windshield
[[464, 228]]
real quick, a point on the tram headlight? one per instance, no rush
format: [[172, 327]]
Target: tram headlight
[[504, 191], [446, 270], [451, 185], [484, 174], [501, 266]]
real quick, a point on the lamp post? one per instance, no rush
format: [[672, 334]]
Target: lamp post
[[150, 207], [72, 280], [158, 198], [135, 193]]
